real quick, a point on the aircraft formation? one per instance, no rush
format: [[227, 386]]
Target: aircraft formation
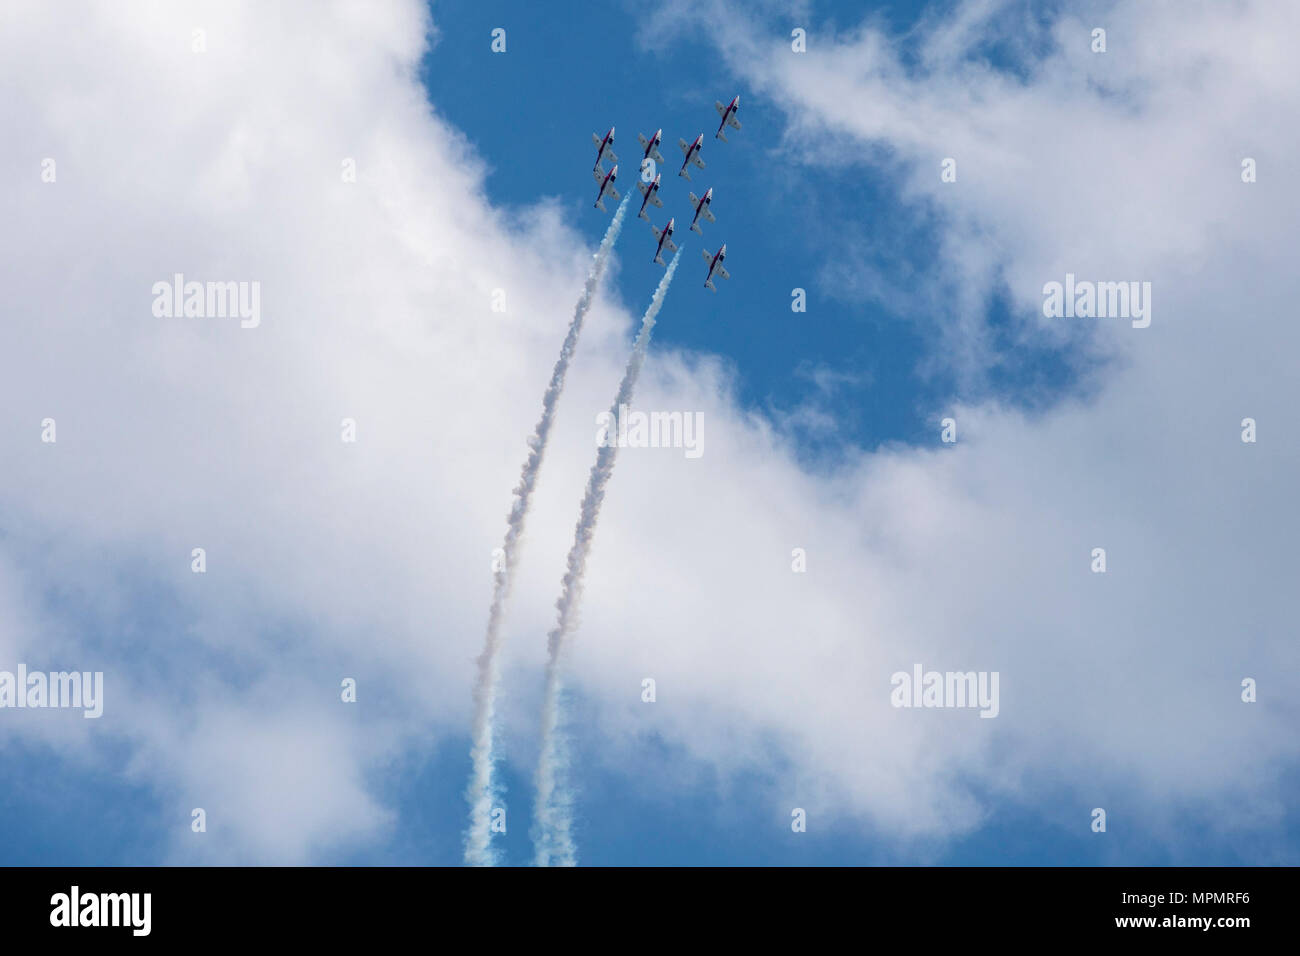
[[650, 155]]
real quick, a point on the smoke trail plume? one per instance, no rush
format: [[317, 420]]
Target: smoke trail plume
[[552, 830], [482, 791]]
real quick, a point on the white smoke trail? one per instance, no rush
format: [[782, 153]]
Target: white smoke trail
[[552, 830], [482, 791]]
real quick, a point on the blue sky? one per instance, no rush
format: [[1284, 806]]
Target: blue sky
[[933, 558], [530, 114]]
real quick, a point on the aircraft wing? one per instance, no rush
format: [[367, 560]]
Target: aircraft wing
[[596, 140], [611, 192], [707, 215], [670, 245], [697, 161], [642, 187], [708, 257], [722, 110], [609, 154], [656, 201], [654, 153], [722, 272], [733, 122], [686, 147], [598, 175]]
